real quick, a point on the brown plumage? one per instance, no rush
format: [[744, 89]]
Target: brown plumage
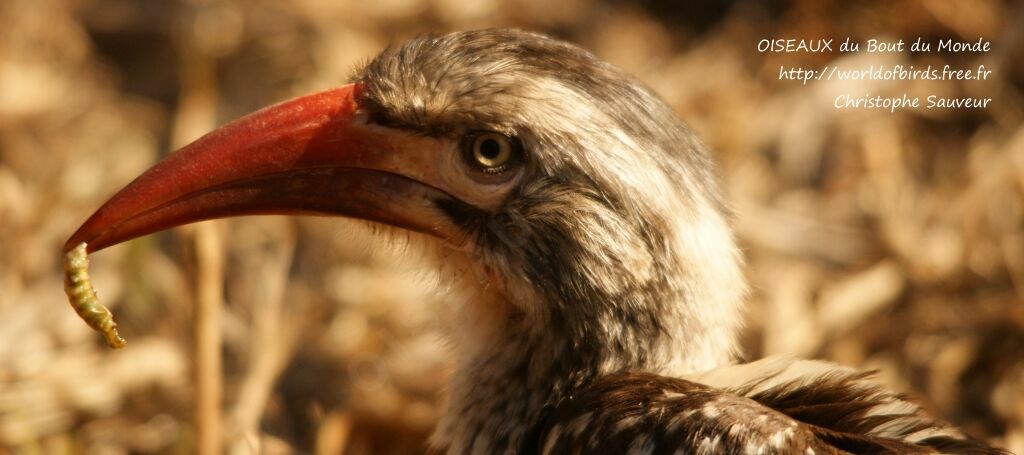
[[583, 234], [835, 412]]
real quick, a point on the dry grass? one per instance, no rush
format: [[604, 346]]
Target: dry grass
[[884, 241]]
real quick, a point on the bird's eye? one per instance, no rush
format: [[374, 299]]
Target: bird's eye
[[490, 152]]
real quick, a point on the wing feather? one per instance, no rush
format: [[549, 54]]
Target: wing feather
[[812, 408]]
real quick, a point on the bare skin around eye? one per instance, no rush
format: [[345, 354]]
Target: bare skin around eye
[[83, 297]]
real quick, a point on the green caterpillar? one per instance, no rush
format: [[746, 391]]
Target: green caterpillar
[[83, 297]]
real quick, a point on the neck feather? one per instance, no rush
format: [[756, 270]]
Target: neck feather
[[511, 363]]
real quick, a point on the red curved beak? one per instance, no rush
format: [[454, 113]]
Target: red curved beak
[[313, 155]]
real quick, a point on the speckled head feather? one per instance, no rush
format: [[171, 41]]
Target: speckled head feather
[[619, 210]]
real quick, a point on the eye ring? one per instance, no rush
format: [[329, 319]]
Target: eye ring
[[490, 152]]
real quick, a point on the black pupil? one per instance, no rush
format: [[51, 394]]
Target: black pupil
[[490, 149]]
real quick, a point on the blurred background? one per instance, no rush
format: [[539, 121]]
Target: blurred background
[[885, 241]]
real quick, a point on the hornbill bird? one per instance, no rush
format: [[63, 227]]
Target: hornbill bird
[[583, 232]]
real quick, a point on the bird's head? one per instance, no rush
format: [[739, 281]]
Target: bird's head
[[577, 202]]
